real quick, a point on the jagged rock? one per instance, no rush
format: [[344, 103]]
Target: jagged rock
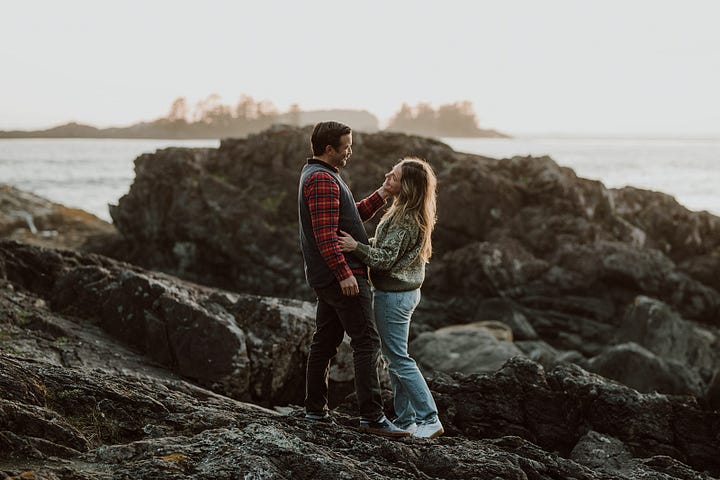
[[141, 426], [244, 346], [565, 253], [639, 368], [601, 452], [32, 219], [658, 328], [607, 454], [555, 410], [547, 356], [670, 227]]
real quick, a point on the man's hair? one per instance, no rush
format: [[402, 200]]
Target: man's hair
[[327, 133]]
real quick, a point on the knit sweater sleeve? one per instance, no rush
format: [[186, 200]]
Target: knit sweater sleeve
[[388, 248]]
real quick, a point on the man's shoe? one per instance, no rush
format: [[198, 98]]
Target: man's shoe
[[429, 430], [323, 417], [383, 427]]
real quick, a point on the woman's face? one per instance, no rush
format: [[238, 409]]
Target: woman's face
[[392, 180]]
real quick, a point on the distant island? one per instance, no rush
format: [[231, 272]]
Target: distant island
[[210, 118]]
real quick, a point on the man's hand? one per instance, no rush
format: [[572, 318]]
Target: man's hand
[[350, 287], [383, 192]]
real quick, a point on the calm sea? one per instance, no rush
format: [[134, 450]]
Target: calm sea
[[81, 173], [90, 173]]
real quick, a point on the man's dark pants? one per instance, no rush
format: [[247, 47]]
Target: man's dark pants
[[337, 314]]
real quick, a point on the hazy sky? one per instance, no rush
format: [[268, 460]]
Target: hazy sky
[[529, 66]]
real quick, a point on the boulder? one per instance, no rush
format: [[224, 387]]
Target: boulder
[[246, 347], [29, 218], [638, 368], [463, 348], [655, 326]]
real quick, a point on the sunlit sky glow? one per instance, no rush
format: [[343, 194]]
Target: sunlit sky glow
[[620, 67]]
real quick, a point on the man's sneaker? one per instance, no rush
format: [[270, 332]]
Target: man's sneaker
[[323, 417], [429, 430], [384, 427]]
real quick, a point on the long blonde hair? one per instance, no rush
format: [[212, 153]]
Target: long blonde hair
[[418, 199]]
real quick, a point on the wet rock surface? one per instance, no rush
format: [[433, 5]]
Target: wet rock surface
[[596, 313], [246, 347], [561, 259], [81, 401], [29, 218]]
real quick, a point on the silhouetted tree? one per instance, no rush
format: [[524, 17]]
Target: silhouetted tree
[[178, 110], [457, 119], [245, 108], [203, 107], [294, 115], [403, 120], [452, 119]]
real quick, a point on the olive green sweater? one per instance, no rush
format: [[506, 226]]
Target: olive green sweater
[[394, 256]]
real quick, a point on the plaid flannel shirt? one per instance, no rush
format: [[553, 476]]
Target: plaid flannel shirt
[[323, 198]]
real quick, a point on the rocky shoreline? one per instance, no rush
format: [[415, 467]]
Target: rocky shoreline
[[567, 330]]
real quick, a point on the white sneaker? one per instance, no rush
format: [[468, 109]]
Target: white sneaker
[[412, 428], [429, 430]]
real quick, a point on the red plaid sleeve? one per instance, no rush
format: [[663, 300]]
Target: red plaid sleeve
[[323, 198], [369, 206]]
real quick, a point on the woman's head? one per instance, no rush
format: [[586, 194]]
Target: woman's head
[[413, 184]]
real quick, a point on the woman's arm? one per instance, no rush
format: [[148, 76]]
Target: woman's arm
[[387, 250]]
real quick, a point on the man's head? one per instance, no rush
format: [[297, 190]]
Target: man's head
[[332, 143]]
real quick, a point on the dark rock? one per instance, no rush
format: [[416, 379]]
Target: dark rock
[[465, 349], [28, 218], [555, 410], [204, 435], [636, 367], [246, 347], [658, 328], [563, 253]]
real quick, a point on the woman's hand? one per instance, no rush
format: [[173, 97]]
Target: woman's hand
[[347, 243]]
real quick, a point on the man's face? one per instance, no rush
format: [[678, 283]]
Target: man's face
[[339, 157]]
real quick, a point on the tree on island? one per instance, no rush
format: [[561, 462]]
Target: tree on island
[[211, 118], [449, 120]]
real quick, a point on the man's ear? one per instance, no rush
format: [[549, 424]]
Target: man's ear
[[329, 149]]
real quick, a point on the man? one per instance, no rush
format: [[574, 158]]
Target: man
[[325, 206]]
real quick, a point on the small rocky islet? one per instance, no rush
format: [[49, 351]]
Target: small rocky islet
[[566, 330]]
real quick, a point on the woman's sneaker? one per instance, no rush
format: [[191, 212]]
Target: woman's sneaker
[[384, 427], [410, 428], [429, 430]]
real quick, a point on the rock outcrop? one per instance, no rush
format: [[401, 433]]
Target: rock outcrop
[[76, 403], [243, 346], [523, 241], [28, 218], [543, 287]]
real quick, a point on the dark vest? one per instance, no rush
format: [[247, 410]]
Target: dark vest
[[317, 273]]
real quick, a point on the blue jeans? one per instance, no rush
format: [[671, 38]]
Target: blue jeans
[[413, 401]]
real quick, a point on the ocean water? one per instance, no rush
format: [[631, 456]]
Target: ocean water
[[82, 173], [92, 173]]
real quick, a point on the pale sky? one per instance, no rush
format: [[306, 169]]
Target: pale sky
[[619, 67]]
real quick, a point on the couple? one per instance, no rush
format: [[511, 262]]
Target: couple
[[337, 252]]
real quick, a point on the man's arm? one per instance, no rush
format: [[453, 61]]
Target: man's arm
[[323, 198], [369, 206]]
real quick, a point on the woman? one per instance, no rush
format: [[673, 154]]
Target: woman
[[397, 257]]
